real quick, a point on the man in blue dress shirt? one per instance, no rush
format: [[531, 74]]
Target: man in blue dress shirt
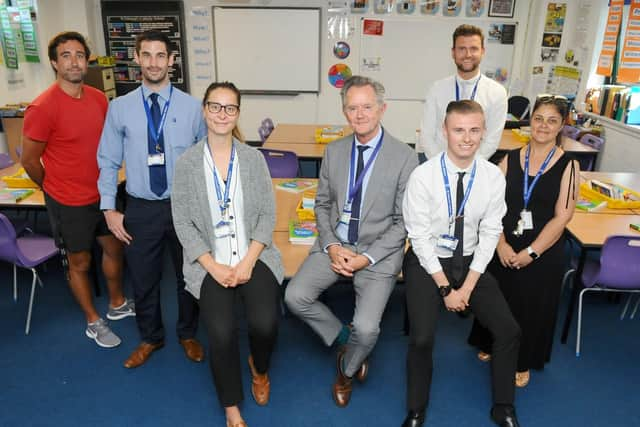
[[148, 129]]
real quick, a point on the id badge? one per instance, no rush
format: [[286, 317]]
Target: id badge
[[222, 229], [447, 242], [155, 159], [527, 220], [345, 218]]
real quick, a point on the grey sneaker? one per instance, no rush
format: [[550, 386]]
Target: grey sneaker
[[101, 334], [128, 308]]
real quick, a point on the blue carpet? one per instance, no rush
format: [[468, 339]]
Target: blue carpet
[[58, 377]]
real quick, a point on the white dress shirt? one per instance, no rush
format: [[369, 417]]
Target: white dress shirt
[[228, 250], [426, 215], [490, 94]]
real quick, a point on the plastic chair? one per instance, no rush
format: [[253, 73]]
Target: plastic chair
[[570, 132], [519, 106], [5, 160], [618, 270], [27, 252], [282, 164], [594, 142]]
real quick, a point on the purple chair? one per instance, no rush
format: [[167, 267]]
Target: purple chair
[[570, 131], [5, 160], [617, 271], [592, 141], [26, 252], [282, 164]]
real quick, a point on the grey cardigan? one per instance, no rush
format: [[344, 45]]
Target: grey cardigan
[[192, 217]]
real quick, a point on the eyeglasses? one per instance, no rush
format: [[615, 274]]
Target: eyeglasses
[[229, 109], [546, 97]]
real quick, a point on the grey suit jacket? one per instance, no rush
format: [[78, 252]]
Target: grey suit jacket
[[381, 231], [192, 215]]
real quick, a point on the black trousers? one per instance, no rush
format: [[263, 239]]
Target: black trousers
[[260, 296], [150, 224], [489, 307]]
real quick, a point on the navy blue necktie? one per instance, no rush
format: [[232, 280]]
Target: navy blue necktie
[[157, 173], [459, 233], [357, 198]]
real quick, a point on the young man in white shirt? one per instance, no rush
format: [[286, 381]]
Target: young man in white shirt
[[453, 208], [468, 83]]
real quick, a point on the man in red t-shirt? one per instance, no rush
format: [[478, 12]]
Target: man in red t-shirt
[[62, 128]]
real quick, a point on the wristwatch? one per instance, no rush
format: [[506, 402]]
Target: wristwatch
[[532, 253], [444, 290]]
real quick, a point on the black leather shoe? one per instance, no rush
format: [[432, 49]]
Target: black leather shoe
[[414, 419], [505, 417]]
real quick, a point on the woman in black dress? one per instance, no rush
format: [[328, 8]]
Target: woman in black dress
[[542, 186]]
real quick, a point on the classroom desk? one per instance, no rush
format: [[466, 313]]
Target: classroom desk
[[626, 179], [590, 231], [286, 203], [34, 201], [301, 140]]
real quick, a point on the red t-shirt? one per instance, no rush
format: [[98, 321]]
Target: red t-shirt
[[71, 128]]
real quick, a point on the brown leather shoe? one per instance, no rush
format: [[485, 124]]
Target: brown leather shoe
[[141, 354], [343, 385], [363, 372], [193, 349], [260, 385]]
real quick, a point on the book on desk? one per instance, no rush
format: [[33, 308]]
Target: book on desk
[[297, 185], [14, 195]]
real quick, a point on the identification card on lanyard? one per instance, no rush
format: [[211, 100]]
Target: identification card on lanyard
[[223, 227], [526, 216], [449, 241], [157, 158], [356, 184]]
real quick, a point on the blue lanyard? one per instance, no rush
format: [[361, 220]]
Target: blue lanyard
[[447, 189], [156, 133], [223, 202], [526, 190], [473, 92], [353, 188]]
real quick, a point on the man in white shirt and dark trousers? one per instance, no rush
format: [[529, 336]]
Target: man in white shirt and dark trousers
[[467, 83], [453, 208]]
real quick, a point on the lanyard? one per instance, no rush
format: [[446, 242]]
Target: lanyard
[[156, 133], [473, 92], [526, 190], [223, 202], [447, 189], [353, 188]]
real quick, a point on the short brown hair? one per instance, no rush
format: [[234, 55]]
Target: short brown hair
[[466, 30], [465, 106], [153, 36], [64, 37]]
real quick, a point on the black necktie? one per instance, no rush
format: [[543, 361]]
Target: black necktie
[[357, 198], [458, 233], [157, 173]]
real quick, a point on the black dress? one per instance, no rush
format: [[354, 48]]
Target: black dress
[[532, 292]]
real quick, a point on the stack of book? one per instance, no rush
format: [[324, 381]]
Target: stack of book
[[302, 232]]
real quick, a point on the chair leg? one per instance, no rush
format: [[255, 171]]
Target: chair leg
[[579, 321], [33, 291], [635, 308], [565, 278], [15, 283], [626, 306]]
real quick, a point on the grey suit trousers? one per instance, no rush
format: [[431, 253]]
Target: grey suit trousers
[[372, 292]]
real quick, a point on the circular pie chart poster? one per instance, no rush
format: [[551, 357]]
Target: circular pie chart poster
[[338, 74]]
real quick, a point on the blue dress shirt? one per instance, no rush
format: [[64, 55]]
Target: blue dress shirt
[[124, 140]]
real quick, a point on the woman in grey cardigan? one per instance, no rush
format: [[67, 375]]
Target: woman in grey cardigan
[[224, 215]]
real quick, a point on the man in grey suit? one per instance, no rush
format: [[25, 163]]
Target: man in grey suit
[[361, 232]]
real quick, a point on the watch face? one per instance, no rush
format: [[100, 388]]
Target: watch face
[[444, 291]]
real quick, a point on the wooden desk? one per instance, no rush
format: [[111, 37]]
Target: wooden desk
[[34, 201], [286, 204]]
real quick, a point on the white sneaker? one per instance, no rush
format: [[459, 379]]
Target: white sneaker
[[102, 334], [128, 308]]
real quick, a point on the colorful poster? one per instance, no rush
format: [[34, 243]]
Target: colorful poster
[[551, 40], [341, 50], [359, 6], [451, 7], [563, 80], [338, 74], [475, 8], [28, 35], [608, 51], [372, 27], [629, 62], [8, 39], [554, 22], [383, 6], [429, 7], [406, 7]]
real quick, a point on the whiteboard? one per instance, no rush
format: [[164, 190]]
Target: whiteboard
[[268, 50], [411, 54]]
